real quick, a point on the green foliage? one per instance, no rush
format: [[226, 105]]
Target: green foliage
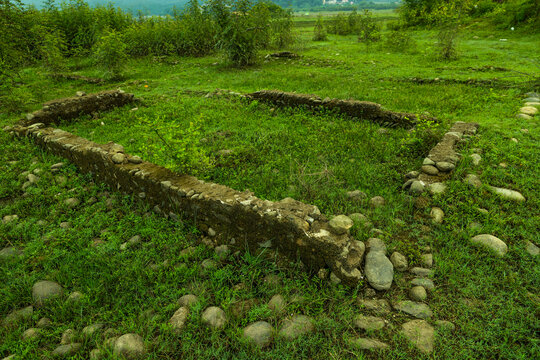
[[110, 54], [339, 25], [319, 33], [52, 49], [244, 34], [179, 145], [399, 41], [447, 43], [368, 29], [281, 29], [422, 137]]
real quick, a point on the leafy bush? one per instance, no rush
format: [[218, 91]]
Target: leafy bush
[[242, 38], [368, 30], [319, 32], [447, 43], [400, 41], [110, 53], [281, 28], [177, 143], [52, 49]]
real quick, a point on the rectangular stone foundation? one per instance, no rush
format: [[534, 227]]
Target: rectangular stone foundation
[[294, 229]]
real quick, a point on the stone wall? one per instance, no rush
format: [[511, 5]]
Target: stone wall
[[73, 107], [294, 229], [354, 108], [441, 160]]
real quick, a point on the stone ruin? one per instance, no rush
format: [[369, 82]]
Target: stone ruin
[[353, 108], [296, 230], [70, 108]]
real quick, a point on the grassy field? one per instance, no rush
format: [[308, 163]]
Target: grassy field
[[277, 153]]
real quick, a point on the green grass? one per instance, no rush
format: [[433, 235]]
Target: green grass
[[313, 157]]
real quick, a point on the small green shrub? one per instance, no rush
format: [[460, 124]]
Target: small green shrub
[[447, 43], [368, 29], [422, 137], [399, 41], [179, 145], [319, 32], [52, 49], [110, 54]]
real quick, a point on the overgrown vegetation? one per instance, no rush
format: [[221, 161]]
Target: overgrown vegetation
[[312, 156]]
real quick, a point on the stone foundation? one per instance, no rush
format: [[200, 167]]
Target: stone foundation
[[354, 108], [294, 229], [69, 108]]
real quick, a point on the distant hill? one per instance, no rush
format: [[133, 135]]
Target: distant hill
[[162, 7]]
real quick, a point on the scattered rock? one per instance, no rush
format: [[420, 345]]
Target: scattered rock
[[44, 323], [30, 334], [369, 323], [297, 326], [399, 261], [377, 201], [445, 166], [91, 330], [259, 334], [420, 334], [418, 293], [417, 187], [118, 158], [437, 215], [340, 224], [43, 291], [412, 175], [130, 347], [476, 158], [532, 249], [72, 202], [368, 344], [473, 181], [277, 304], [507, 193], [188, 300], [379, 270], [491, 242], [18, 316], [376, 244], [134, 241], [57, 166], [425, 283], [179, 318], [421, 272], [272, 280], [135, 160], [33, 179], [357, 195], [524, 117], [64, 351], [427, 260], [208, 264], [436, 188], [428, 161], [222, 252], [416, 309], [529, 110], [429, 169], [65, 225], [378, 306], [68, 337], [214, 317], [9, 218], [74, 298], [9, 254], [445, 325], [334, 280], [95, 354]]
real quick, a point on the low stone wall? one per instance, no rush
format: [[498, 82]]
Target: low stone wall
[[442, 159], [294, 229], [354, 108], [73, 107]]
